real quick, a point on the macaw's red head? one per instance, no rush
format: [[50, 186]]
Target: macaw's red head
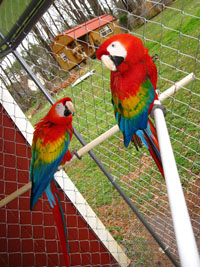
[[61, 112], [120, 51]]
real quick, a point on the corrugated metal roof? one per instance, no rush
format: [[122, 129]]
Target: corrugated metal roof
[[88, 26]]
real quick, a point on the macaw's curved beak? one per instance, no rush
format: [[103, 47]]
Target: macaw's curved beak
[[112, 62], [69, 109]]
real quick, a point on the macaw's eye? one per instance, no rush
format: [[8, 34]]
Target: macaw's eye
[[117, 49]]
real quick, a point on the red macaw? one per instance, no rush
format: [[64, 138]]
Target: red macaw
[[133, 85], [50, 149]]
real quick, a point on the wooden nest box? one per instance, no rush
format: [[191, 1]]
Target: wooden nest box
[[77, 44]]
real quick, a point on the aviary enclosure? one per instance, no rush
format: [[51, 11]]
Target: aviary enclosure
[[115, 201]]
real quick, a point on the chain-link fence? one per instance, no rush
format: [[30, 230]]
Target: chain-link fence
[[59, 50]]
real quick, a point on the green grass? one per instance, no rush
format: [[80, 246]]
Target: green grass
[[10, 11]]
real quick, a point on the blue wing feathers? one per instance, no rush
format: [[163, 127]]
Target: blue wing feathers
[[50, 195], [141, 134], [129, 126], [46, 172], [42, 174]]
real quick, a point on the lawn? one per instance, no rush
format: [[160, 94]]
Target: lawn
[[10, 12]]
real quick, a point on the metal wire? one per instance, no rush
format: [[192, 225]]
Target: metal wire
[[133, 171]]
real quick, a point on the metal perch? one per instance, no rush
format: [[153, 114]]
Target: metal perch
[[185, 239]]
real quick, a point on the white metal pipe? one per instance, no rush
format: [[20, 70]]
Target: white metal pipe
[[15, 194], [177, 86], [83, 150], [98, 140], [185, 239]]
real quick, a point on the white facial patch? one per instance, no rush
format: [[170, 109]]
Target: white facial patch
[[117, 49], [60, 108]]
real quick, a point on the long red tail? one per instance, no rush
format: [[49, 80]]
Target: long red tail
[[61, 226], [149, 138], [154, 149]]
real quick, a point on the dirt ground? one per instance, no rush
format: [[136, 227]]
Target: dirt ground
[[137, 242]]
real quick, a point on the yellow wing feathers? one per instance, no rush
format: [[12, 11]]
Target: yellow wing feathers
[[48, 152], [132, 105]]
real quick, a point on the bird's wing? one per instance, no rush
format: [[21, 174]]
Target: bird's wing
[[131, 112], [46, 157]]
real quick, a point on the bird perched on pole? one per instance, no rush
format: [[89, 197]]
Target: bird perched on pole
[[50, 149], [133, 87]]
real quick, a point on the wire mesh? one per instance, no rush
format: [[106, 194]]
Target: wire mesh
[[167, 28]]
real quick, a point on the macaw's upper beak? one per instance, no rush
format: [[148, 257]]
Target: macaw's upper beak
[[112, 62], [69, 109]]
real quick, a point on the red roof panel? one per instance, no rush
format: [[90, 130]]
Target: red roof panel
[[88, 26]]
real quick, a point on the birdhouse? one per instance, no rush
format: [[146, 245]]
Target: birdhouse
[[77, 44]]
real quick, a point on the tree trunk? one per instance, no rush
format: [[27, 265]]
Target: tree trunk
[[47, 29], [84, 5], [96, 8], [60, 14], [71, 11], [12, 87], [40, 38], [42, 41], [79, 12], [109, 8], [118, 8], [127, 6]]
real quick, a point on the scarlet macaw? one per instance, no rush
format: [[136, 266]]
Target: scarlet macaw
[[50, 149], [133, 85]]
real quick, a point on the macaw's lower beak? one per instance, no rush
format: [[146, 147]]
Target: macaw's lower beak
[[117, 60], [67, 112], [112, 62]]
